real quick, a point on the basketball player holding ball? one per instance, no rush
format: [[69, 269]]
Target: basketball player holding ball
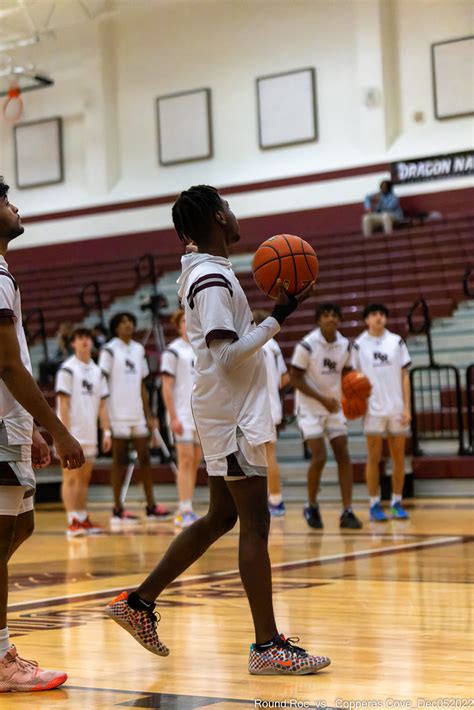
[[232, 414], [317, 366]]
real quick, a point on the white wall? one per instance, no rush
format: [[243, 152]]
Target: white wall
[[152, 48]]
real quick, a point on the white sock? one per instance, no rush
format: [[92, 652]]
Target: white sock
[[374, 500], [347, 510], [275, 498], [4, 641], [81, 515], [396, 498], [185, 506], [70, 516]]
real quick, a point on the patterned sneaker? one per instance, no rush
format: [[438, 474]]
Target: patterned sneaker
[[19, 674], [120, 516], [349, 520], [92, 528], [283, 658], [75, 529], [140, 624], [184, 520], [398, 511], [277, 511], [377, 514], [313, 516], [157, 512]]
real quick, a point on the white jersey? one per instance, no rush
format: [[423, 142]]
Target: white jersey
[[16, 424], [86, 385], [323, 363], [178, 361], [216, 308], [382, 360], [126, 367], [276, 368]]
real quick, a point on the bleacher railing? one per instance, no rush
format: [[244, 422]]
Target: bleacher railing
[[32, 333], [436, 394], [470, 406]]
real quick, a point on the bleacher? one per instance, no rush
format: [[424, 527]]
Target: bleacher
[[424, 262]]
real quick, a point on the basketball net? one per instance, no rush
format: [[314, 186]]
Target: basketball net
[[12, 109]]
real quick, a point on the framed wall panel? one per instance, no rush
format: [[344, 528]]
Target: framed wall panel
[[452, 64], [39, 153], [287, 108], [184, 127]]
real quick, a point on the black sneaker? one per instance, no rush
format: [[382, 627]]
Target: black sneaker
[[349, 520], [313, 517]]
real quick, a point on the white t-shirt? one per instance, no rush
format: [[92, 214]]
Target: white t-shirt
[[86, 385], [126, 367], [323, 364], [382, 360], [216, 308], [178, 361], [276, 368], [16, 424]]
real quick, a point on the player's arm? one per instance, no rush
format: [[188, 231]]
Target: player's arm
[[64, 409], [301, 382], [406, 418], [40, 453], [284, 381], [25, 390], [105, 425], [168, 382]]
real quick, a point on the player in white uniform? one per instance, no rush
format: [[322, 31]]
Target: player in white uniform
[[177, 373], [277, 379], [21, 447], [318, 364], [384, 358], [81, 393], [232, 413], [123, 361]]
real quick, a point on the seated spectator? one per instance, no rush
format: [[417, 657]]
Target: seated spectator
[[48, 368], [382, 210]]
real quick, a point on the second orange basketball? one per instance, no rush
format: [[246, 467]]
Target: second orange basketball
[[286, 257]]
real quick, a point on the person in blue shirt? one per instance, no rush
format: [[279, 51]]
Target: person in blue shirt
[[382, 210]]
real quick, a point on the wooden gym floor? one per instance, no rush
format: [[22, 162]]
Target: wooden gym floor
[[390, 604]]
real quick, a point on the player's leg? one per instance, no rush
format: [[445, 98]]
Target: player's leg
[[119, 461], [186, 480], [74, 493], [16, 525], [275, 498], [396, 445], [134, 612], [154, 510], [372, 476], [317, 449], [340, 447]]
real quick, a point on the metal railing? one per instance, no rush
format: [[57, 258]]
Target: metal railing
[[436, 394], [32, 333], [470, 406]]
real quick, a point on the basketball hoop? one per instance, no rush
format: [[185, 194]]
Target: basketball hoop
[[13, 105]]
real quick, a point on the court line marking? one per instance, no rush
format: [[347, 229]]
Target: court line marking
[[209, 577]]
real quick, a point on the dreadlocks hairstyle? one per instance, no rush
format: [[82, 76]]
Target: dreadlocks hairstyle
[[3, 187], [193, 212]]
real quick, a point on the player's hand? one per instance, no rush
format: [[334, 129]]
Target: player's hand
[[406, 417], [106, 441], [40, 453], [308, 292], [332, 404], [177, 427], [69, 451]]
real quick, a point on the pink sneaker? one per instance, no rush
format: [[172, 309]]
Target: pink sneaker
[[21, 675], [92, 528], [157, 512]]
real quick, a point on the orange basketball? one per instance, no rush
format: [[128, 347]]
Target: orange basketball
[[356, 384], [288, 258], [354, 408]]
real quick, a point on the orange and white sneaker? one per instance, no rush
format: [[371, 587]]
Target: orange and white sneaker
[[281, 657], [140, 624], [92, 528], [18, 674], [75, 529]]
